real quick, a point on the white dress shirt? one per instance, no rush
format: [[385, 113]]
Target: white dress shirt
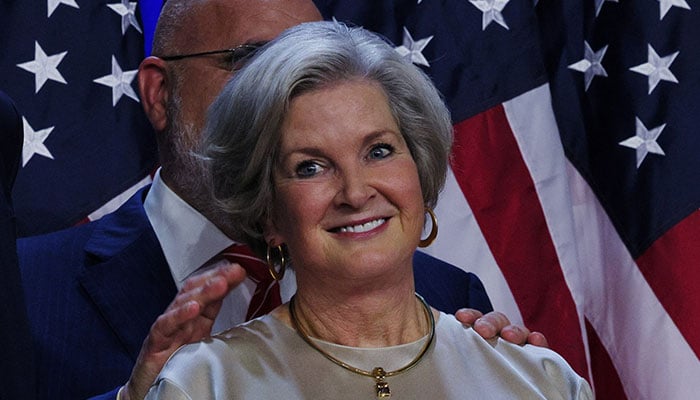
[[189, 241]]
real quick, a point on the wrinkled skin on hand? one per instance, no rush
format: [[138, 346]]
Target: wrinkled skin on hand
[[497, 324]]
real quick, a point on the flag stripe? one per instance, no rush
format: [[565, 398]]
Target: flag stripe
[[507, 208], [531, 118], [461, 243], [120, 199], [603, 370], [631, 323], [670, 266]]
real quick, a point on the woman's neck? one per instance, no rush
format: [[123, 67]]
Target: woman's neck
[[378, 319]]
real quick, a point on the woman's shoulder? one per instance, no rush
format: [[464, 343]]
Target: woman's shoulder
[[451, 328], [197, 367], [260, 333], [542, 367], [225, 346]]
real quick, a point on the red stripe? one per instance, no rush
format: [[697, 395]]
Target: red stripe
[[82, 221], [495, 181], [605, 378], [671, 266]]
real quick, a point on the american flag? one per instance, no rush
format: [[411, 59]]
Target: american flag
[[70, 67], [573, 192], [575, 180]]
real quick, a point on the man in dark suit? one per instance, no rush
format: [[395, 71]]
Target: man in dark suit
[[94, 291], [16, 363]]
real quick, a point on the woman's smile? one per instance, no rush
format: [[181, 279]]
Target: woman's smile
[[362, 228]]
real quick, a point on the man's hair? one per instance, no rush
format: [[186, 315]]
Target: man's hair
[[243, 133], [173, 17]]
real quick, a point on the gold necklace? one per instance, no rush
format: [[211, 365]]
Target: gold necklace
[[378, 373]]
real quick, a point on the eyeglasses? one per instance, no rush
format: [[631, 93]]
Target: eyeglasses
[[237, 55]]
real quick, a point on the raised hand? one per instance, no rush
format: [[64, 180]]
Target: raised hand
[[187, 319]]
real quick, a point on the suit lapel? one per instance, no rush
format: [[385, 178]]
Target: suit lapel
[[129, 282]]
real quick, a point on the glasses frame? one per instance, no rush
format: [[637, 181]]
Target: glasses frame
[[251, 47]]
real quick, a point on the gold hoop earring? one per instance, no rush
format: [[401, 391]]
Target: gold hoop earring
[[271, 264], [433, 230]]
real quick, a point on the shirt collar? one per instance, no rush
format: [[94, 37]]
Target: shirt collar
[[187, 238]]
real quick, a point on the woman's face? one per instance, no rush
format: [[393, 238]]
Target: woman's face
[[348, 199]]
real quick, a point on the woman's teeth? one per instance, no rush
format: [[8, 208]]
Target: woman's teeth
[[363, 227]]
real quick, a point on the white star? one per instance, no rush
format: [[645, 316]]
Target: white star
[[127, 10], [53, 4], [644, 141], [599, 5], [665, 5], [413, 50], [657, 68], [119, 81], [492, 11], [34, 142], [44, 67], [591, 64]]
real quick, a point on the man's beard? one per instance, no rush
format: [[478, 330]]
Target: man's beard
[[187, 172]]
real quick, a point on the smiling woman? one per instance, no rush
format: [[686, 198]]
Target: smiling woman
[[334, 208], [245, 125], [359, 140]]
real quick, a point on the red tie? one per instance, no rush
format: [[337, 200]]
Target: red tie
[[267, 290]]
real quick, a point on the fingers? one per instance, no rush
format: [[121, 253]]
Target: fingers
[[537, 339], [171, 323], [188, 318], [497, 324], [467, 316], [515, 334], [488, 326], [210, 286], [491, 324], [226, 276], [191, 314], [521, 335]]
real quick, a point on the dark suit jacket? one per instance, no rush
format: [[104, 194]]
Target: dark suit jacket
[[93, 292], [16, 367]]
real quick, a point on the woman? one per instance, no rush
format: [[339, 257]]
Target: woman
[[329, 149]]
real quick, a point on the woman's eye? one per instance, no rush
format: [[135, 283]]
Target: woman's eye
[[381, 151], [307, 169]]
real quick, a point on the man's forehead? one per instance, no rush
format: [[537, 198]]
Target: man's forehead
[[269, 19], [235, 22]]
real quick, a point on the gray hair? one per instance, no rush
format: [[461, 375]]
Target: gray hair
[[168, 33], [242, 137]]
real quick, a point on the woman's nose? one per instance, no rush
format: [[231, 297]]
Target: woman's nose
[[355, 188]]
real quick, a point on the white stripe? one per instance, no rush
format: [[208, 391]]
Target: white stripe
[[460, 242], [116, 202], [531, 119], [652, 358]]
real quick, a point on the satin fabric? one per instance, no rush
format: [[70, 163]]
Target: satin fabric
[[266, 359]]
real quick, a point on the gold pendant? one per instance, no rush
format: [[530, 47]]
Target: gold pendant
[[383, 390]]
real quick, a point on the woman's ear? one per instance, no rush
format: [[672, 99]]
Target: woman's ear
[[271, 235], [153, 86]]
